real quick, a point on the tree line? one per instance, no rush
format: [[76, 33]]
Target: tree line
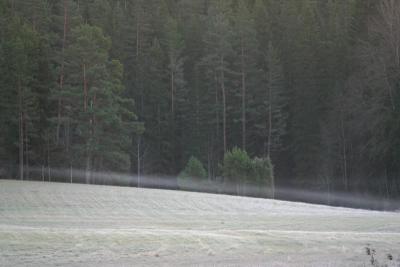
[[141, 86]]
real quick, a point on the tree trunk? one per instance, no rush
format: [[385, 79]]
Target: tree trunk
[[21, 132], [85, 89], [138, 160], [26, 152], [223, 103], [172, 91], [42, 173], [70, 173], [197, 104], [159, 127], [48, 158], [137, 35], [387, 184], [344, 151], [217, 119], [273, 187], [243, 102], [67, 137], [88, 165], [62, 72], [269, 136], [90, 159]]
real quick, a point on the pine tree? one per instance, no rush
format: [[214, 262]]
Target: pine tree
[[19, 54], [246, 54], [218, 40], [276, 102], [175, 48], [95, 102]]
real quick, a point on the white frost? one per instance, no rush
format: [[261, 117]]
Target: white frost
[[51, 224]]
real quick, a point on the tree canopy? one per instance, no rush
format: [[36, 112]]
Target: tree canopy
[[142, 86]]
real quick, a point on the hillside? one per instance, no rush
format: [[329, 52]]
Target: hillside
[[52, 224]]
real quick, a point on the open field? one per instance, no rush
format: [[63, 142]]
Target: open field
[[51, 224]]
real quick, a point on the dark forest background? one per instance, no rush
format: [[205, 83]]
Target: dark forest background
[[141, 86]]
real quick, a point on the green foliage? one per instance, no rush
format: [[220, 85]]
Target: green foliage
[[166, 80], [263, 171], [102, 117], [20, 110], [194, 170], [194, 177], [263, 177], [251, 176], [237, 166]]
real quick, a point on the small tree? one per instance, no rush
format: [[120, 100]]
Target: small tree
[[240, 170], [194, 169], [237, 168], [194, 177], [264, 175]]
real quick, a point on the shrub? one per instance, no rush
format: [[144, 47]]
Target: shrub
[[263, 176], [194, 169], [249, 176], [237, 165], [194, 177], [236, 170]]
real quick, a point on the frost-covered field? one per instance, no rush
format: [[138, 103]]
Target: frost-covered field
[[50, 224]]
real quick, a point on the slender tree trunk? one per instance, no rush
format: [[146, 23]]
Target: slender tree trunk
[[67, 137], [328, 181], [243, 102], [270, 125], [70, 172], [223, 102], [344, 152], [137, 35], [172, 119], [61, 85], [273, 186], [27, 174], [140, 100], [172, 91], [197, 104], [88, 165], [159, 126], [48, 157], [387, 184], [88, 149], [138, 160], [85, 89], [269, 136], [209, 149], [217, 119], [138, 78], [90, 162], [21, 132], [89, 155]]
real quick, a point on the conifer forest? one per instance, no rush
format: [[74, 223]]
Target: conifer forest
[[279, 94]]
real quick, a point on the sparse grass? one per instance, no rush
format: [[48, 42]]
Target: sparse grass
[[47, 224], [387, 260]]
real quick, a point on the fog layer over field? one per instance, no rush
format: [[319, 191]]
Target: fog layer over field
[[47, 224]]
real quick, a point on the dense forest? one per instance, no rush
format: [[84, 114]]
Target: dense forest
[[142, 86]]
